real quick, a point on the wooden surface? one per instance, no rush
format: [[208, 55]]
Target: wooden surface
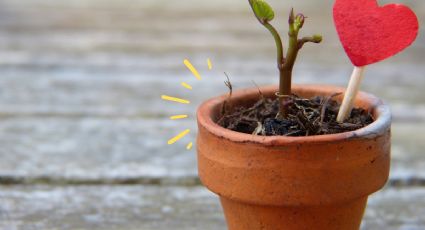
[[80, 86]]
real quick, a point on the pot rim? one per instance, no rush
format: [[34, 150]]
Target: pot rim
[[381, 124]]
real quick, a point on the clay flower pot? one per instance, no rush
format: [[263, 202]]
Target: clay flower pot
[[317, 182]]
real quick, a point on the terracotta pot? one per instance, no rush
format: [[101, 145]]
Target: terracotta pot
[[317, 182]]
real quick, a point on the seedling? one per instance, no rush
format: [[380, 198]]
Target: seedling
[[265, 14], [394, 28]]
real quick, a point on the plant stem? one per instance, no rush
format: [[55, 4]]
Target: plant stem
[[294, 45], [285, 76], [264, 14], [287, 67], [278, 41], [291, 55]]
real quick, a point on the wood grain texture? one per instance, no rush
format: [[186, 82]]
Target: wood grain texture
[[80, 86], [152, 207]]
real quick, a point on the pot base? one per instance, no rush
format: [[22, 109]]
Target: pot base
[[242, 216]]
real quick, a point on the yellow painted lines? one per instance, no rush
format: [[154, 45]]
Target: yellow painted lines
[[187, 86], [175, 99], [176, 117], [192, 69], [178, 137], [189, 146], [209, 64]]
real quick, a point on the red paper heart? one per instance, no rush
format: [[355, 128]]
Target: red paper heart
[[370, 33]]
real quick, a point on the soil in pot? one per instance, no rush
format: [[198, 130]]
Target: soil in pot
[[306, 117]]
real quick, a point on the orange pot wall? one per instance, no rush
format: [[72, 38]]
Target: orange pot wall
[[318, 182]]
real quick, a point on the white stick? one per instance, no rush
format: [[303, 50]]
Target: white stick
[[350, 94]]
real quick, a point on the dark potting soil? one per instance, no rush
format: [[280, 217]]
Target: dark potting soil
[[306, 117]]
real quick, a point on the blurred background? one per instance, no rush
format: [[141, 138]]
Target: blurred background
[[83, 130]]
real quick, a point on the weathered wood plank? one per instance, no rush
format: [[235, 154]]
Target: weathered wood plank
[[151, 207], [80, 82], [89, 148], [79, 103], [107, 149], [87, 93], [107, 58]]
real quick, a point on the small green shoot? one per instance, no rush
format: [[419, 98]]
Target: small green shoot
[[265, 14]]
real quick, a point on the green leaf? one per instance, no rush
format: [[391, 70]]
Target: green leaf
[[262, 10]]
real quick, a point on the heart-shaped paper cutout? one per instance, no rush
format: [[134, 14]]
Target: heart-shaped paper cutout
[[370, 33]]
